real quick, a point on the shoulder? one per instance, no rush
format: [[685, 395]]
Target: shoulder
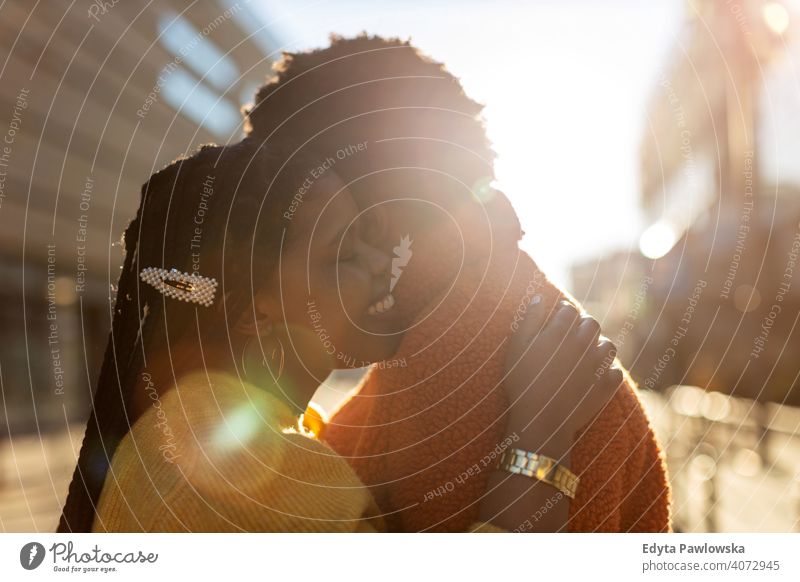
[[210, 394], [223, 455], [207, 413], [213, 420]]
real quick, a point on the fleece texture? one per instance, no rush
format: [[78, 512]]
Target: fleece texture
[[424, 430]]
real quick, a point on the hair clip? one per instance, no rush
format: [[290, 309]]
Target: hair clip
[[183, 286]]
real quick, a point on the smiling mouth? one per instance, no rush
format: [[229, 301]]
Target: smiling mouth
[[382, 305]]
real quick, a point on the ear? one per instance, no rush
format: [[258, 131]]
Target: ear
[[258, 320]]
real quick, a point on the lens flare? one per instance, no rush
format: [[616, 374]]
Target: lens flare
[[239, 427], [483, 191], [657, 240], [776, 17]]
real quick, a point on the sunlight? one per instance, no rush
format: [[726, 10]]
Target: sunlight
[[776, 16], [657, 240], [566, 122]]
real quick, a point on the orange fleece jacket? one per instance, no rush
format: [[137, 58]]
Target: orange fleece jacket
[[424, 431]]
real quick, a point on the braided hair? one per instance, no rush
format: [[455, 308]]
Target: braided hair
[[208, 212]]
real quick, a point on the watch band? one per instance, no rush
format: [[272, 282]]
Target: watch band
[[540, 467]]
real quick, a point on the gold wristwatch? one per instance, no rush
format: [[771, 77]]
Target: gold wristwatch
[[540, 467]]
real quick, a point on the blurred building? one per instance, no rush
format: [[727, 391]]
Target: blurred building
[[718, 277], [96, 97]]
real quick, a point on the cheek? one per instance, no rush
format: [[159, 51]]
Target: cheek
[[355, 287], [342, 287]]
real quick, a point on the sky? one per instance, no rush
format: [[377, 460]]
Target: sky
[[565, 84]]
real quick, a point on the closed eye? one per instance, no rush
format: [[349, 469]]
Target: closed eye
[[345, 251]]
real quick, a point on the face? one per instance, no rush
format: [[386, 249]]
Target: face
[[331, 289], [398, 204]]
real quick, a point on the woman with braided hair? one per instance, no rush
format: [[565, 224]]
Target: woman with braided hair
[[248, 277], [220, 214]]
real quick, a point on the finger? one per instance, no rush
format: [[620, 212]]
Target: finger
[[588, 330], [526, 331], [530, 325], [562, 322], [610, 378], [603, 355], [605, 347], [615, 377], [606, 386]]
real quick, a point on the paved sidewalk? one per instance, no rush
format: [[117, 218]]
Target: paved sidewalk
[[34, 476]]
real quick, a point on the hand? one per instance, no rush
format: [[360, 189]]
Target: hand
[[558, 380]]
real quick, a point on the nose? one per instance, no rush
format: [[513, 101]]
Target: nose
[[375, 259]]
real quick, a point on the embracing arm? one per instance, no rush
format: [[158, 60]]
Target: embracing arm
[[554, 389]]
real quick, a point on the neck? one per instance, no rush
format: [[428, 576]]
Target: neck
[[288, 369], [295, 386]]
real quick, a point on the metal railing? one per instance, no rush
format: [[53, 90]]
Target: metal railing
[[733, 462]]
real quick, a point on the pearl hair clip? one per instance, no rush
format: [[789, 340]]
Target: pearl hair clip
[[182, 286]]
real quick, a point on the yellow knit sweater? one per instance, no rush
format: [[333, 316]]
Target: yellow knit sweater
[[215, 454]]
